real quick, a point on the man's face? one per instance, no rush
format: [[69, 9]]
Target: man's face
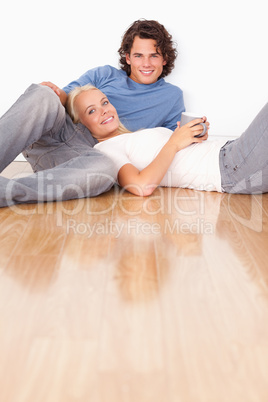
[[145, 62]]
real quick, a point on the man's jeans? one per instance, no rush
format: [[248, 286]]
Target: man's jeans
[[244, 161], [60, 152]]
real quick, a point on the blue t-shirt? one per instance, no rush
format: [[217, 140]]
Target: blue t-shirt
[[138, 105]]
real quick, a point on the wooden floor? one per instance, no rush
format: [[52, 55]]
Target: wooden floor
[[119, 298]]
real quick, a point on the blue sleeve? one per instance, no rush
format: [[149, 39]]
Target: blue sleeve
[[95, 77], [175, 113]]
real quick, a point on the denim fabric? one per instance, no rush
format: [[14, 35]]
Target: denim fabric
[[38, 126], [244, 161]]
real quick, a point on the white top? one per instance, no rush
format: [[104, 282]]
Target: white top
[[195, 167]]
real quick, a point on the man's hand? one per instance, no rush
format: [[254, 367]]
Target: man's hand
[[61, 94], [52, 86]]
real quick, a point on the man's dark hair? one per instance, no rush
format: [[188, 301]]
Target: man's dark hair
[[148, 29]]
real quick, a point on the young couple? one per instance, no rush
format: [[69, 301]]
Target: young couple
[[62, 154]]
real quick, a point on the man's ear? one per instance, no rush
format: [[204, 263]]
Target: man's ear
[[164, 62], [127, 58]]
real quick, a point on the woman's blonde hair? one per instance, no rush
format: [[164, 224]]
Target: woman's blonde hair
[[71, 109]]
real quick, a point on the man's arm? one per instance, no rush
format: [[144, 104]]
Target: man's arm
[[96, 76], [176, 107]]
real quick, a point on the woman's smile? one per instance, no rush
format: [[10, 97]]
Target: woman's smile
[[108, 120]]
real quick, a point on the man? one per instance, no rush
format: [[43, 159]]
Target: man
[[61, 152], [138, 90]]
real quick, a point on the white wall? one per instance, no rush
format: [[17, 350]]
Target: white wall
[[222, 64]]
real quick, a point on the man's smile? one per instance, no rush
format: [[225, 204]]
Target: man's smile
[[146, 72]]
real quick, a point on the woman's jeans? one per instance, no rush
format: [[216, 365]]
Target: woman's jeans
[[244, 161], [60, 152]]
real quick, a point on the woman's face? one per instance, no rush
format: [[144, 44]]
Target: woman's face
[[97, 114]]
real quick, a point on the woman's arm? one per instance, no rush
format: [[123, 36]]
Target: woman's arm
[[144, 182]]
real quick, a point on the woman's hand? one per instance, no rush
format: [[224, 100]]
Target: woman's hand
[[184, 136]]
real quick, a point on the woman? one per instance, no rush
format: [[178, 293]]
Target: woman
[[153, 157]]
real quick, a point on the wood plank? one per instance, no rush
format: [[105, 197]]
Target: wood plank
[[118, 297]]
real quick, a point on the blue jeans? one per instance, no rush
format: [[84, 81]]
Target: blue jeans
[[244, 161], [60, 152]]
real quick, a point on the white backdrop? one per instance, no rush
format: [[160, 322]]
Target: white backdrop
[[222, 64]]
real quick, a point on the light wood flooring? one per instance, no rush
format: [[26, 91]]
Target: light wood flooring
[[126, 299]]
